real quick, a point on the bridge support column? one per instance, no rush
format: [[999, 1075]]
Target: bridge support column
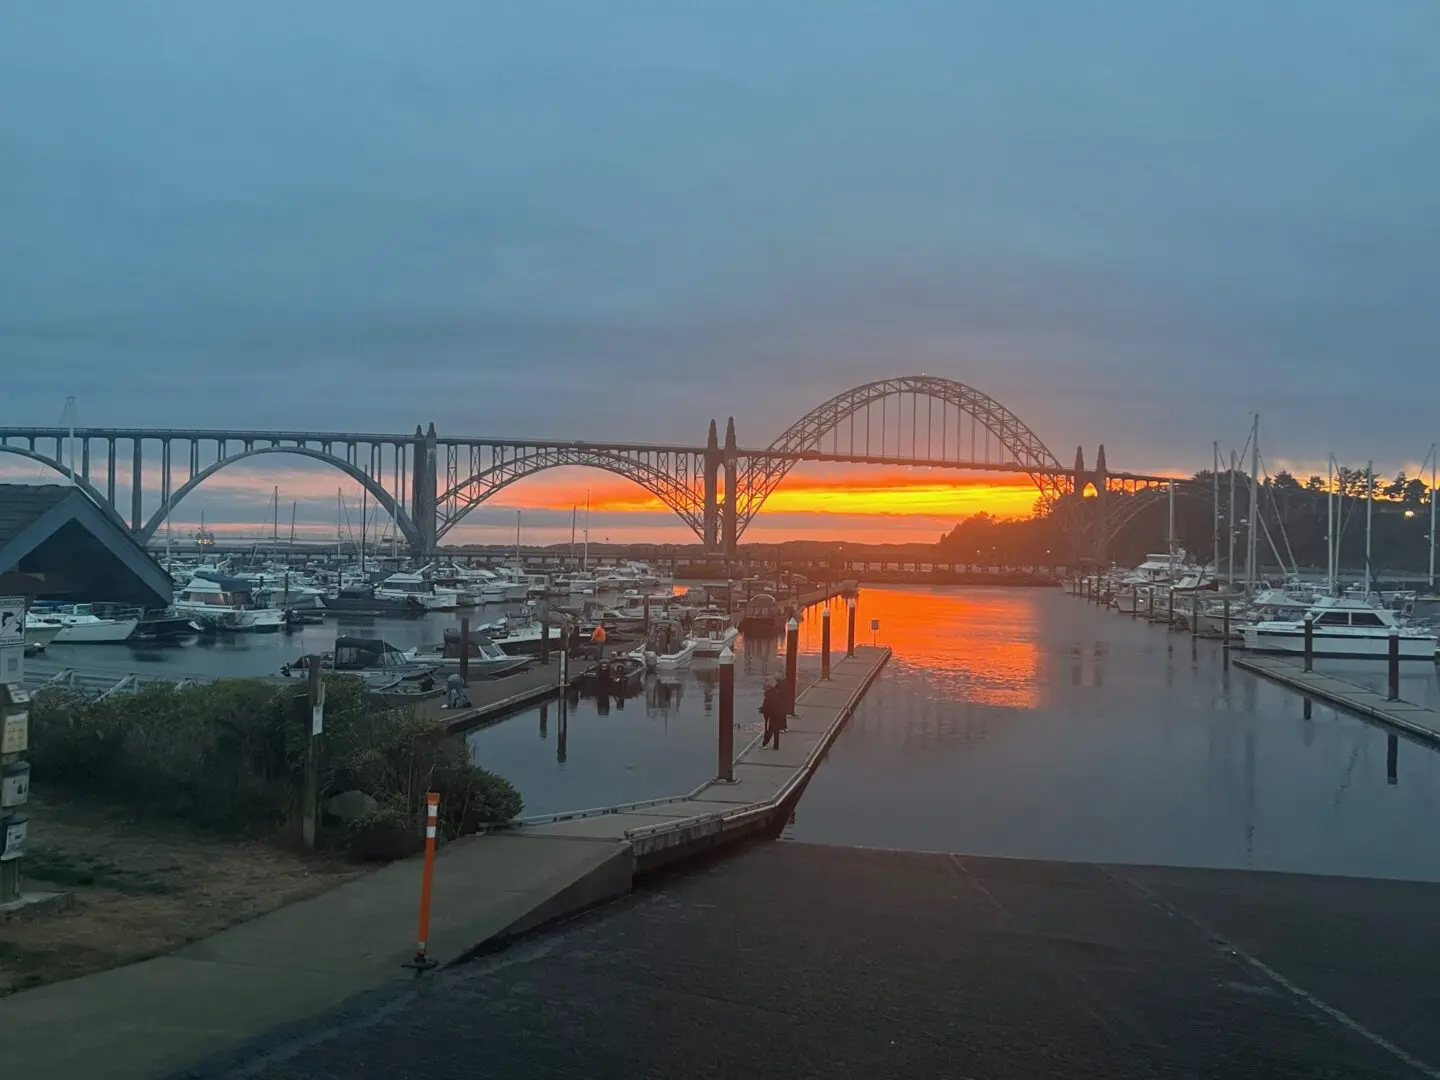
[[730, 524], [137, 506], [110, 474], [1102, 523], [712, 486], [422, 496]]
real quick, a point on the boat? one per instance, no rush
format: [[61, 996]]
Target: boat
[[668, 647], [618, 675], [763, 616], [523, 639], [79, 625], [486, 660], [1343, 628], [712, 631], [415, 585], [361, 599], [379, 662], [40, 630], [226, 604], [153, 627]]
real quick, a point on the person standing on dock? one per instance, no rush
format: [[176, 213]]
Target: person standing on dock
[[773, 709], [598, 640]]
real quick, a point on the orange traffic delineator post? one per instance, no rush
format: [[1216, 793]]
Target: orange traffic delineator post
[[422, 961]]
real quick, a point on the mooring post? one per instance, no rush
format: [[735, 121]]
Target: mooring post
[[850, 627], [825, 642], [1392, 753], [1135, 601], [309, 819], [465, 650], [1309, 642], [792, 650], [1394, 694], [646, 624], [726, 722], [544, 633], [1194, 615], [1225, 632], [1170, 624]]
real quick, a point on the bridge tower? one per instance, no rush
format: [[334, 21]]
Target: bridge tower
[[423, 500], [731, 520], [712, 486], [1099, 525]]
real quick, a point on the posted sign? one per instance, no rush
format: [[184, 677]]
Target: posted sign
[[12, 620]]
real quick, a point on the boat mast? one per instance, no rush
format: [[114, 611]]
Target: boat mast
[[1432, 516], [1215, 502], [1250, 545], [585, 557], [1330, 553], [573, 511], [517, 540], [339, 528], [364, 513], [1230, 560], [292, 533], [1171, 487], [1369, 506]]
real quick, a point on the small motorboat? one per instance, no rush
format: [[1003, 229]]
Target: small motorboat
[[712, 631], [371, 659], [486, 660], [617, 675]]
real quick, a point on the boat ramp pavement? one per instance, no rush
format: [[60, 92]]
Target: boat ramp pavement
[[348, 945]]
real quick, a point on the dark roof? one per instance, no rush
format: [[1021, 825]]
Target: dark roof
[[30, 514], [21, 504]]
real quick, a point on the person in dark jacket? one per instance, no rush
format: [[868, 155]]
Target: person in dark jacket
[[773, 709]]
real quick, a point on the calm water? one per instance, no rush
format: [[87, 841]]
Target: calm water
[[1027, 723]]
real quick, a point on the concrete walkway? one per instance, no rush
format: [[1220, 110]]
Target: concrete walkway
[[1407, 717], [153, 1018]]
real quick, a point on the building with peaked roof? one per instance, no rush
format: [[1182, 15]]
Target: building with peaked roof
[[56, 543]]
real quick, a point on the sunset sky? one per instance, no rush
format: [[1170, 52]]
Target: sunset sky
[[1131, 223]]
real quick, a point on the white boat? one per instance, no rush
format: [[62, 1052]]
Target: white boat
[[226, 603], [414, 584], [81, 626], [487, 660], [1344, 628], [40, 630], [712, 631]]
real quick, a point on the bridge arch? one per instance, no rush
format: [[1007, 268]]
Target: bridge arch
[[369, 483], [64, 470], [675, 487], [1030, 453]]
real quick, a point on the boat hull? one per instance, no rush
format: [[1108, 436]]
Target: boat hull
[[1338, 646], [37, 637], [104, 632]]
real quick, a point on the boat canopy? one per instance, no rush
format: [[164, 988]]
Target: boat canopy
[[356, 654]]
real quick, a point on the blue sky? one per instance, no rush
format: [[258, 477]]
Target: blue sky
[[1130, 222]]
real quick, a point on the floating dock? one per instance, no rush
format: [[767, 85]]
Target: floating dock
[[1408, 717]]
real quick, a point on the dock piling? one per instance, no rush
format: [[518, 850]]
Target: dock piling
[[1170, 622], [825, 642], [1309, 642], [1225, 632], [544, 633], [465, 649], [850, 627], [726, 770], [1394, 694], [792, 650], [310, 817], [1392, 753]]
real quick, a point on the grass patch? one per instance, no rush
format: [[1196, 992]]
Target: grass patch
[[92, 872]]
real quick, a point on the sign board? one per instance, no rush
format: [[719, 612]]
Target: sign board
[[12, 663], [12, 620], [317, 713], [15, 735], [874, 624]]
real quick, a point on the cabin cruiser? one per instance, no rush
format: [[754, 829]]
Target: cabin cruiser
[[1343, 628], [712, 631], [40, 630], [380, 664], [486, 659], [226, 603], [361, 600], [80, 625], [668, 648], [415, 585]]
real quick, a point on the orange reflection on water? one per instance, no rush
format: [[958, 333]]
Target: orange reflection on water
[[974, 645]]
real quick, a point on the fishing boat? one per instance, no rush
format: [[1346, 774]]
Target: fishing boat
[[668, 647], [763, 616], [712, 631], [617, 675], [1343, 628], [486, 660], [226, 604], [375, 659], [79, 625]]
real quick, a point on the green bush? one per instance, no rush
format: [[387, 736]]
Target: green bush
[[231, 756]]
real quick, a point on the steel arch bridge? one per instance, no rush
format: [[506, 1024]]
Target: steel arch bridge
[[428, 483]]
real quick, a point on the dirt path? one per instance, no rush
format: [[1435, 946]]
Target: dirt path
[[140, 889]]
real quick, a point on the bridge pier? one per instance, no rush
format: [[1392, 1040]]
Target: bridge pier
[[730, 524], [712, 485], [423, 508], [137, 508]]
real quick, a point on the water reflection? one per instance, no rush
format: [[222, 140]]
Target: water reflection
[[1130, 744]]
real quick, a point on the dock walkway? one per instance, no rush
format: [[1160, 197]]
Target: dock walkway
[[1408, 717], [204, 1001]]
